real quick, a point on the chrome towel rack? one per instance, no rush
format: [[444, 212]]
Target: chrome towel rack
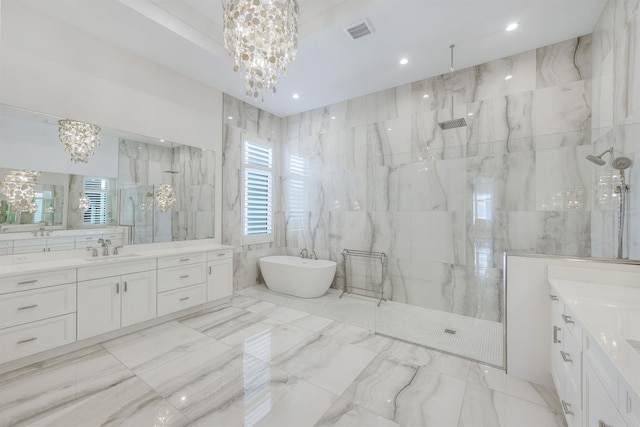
[[378, 286]]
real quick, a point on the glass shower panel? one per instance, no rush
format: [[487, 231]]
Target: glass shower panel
[[137, 210]]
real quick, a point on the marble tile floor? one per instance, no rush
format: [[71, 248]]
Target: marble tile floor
[[250, 362], [477, 339]]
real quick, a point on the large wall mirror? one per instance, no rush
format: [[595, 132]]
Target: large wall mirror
[[121, 182]]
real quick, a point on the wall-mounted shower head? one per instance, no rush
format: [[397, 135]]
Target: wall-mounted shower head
[[598, 159], [621, 163]]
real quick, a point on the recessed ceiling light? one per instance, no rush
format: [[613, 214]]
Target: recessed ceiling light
[[404, 61], [333, 117], [295, 96], [230, 117], [512, 26], [508, 77], [162, 140], [469, 114], [425, 96], [388, 129]]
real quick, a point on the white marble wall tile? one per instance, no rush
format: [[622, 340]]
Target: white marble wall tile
[[309, 122], [564, 233], [517, 192], [602, 52], [389, 142], [434, 236], [565, 108], [505, 122], [430, 285], [563, 179], [564, 139], [491, 76], [252, 119], [355, 112], [427, 192], [392, 233], [564, 62], [389, 104]]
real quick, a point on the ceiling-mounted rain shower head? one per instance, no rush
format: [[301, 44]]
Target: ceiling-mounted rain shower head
[[453, 123], [621, 163], [598, 159]]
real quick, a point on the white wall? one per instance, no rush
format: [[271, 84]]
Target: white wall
[[52, 68]]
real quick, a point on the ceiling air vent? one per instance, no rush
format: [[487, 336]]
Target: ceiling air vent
[[360, 29]]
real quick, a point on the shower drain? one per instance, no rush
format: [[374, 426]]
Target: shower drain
[[450, 331]]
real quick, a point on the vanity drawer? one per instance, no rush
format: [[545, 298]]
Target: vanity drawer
[[28, 306], [23, 282], [221, 254], [61, 240], [179, 299], [60, 247], [23, 340], [174, 261], [115, 268], [29, 242], [29, 249], [87, 241], [180, 277]]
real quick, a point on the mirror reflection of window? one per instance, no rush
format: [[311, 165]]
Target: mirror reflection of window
[[97, 191], [482, 233]]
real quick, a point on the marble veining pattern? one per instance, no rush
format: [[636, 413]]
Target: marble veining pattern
[[173, 374]]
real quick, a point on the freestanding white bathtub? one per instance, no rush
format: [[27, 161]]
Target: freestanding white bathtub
[[300, 277]]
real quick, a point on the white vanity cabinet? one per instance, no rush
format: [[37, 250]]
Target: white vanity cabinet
[[219, 274], [182, 282], [599, 409], [109, 303], [37, 312], [566, 360]]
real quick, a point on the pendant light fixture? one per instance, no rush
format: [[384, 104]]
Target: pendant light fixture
[[262, 38], [79, 139], [19, 187]]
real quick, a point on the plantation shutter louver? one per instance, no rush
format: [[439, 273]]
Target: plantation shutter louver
[[96, 190], [258, 193]]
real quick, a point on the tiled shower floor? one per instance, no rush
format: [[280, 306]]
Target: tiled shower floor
[[476, 339]]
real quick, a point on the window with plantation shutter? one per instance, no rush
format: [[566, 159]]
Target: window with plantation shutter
[[257, 207], [97, 191], [297, 173]]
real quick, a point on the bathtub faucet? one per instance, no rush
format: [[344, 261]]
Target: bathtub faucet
[[304, 253], [313, 255]]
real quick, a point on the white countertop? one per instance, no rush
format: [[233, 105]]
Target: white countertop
[[610, 315], [31, 263]]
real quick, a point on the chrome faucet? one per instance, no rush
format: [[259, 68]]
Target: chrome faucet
[[105, 246], [94, 251], [304, 253], [115, 250], [313, 255]]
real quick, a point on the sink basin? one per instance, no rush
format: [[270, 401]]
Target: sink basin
[[110, 258]]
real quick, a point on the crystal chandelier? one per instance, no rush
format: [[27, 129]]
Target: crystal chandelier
[[165, 197], [79, 139], [19, 187], [262, 37], [84, 203]]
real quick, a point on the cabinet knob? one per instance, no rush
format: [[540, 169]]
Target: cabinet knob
[[27, 340], [184, 277], [125, 286], [26, 307], [553, 297], [184, 298], [117, 288], [566, 357], [555, 334], [602, 424]]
